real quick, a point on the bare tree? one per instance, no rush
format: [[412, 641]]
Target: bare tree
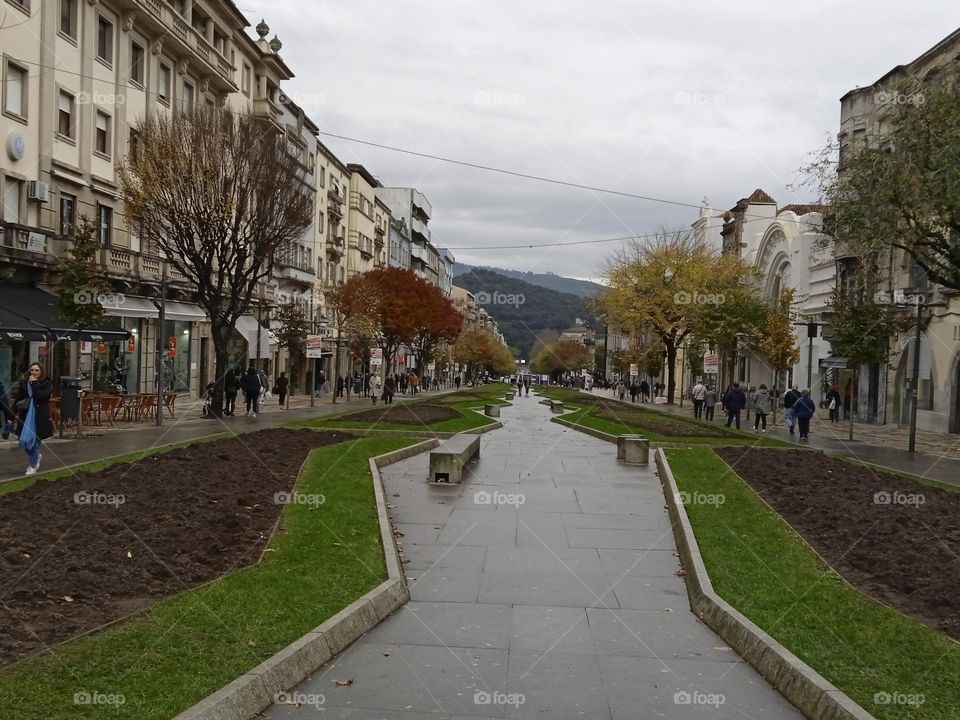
[[217, 194]]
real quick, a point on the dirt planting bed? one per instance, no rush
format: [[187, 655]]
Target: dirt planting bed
[[896, 540], [82, 551], [656, 422], [405, 413]]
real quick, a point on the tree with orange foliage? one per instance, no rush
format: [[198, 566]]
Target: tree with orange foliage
[[437, 321], [401, 296]]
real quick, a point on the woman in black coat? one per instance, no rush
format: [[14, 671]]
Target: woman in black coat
[[33, 414]]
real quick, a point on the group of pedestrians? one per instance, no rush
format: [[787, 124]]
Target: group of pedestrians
[[523, 385]]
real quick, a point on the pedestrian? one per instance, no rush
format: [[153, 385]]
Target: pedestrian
[[634, 391], [761, 407], [698, 393], [709, 403], [644, 391], [456, 382], [526, 385], [414, 382], [376, 387], [622, 390], [250, 384], [264, 386], [33, 424], [231, 386], [833, 403], [789, 401], [389, 386], [804, 409], [283, 382], [733, 402], [357, 383], [847, 398], [321, 383]]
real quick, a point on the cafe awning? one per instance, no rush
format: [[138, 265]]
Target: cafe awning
[[247, 326], [140, 307], [31, 314]]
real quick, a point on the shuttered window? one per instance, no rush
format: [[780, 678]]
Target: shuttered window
[[11, 200], [15, 90], [102, 137], [65, 114]]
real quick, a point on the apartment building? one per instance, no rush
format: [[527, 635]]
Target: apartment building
[[412, 207], [398, 244], [445, 265], [77, 78], [362, 251], [884, 393]]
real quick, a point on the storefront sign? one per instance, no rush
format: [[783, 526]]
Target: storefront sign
[[132, 344]]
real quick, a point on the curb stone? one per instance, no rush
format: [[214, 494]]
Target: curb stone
[[248, 695], [803, 686]]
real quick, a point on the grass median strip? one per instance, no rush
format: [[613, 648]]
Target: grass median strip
[[892, 665], [324, 556]]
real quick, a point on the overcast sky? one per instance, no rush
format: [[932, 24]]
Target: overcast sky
[[675, 99]]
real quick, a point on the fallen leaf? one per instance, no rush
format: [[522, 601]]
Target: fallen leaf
[[68, 598], [129, 554], [386, 653], [251, 643], [344, 683]]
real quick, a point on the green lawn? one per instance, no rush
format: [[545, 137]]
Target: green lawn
[[764, 569], [660, 427], [186, 647]]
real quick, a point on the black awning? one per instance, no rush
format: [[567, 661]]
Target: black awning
[[29, 313]]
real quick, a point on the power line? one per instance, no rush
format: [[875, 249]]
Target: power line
[[642, 236]]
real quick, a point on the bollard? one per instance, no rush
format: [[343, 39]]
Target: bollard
[[556, 407], [491, 410], [509, 396], [633, 449]]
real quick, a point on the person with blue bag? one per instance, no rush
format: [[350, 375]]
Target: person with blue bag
[[33, 415]]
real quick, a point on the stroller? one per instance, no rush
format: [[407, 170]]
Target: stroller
[[207, 409]]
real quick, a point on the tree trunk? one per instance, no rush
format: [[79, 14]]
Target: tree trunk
[[336, 370], [221, 363], [671, 371]]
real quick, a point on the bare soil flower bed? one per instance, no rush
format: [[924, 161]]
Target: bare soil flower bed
[[894, 539], [654, 421], [85, 550], [406, 414]]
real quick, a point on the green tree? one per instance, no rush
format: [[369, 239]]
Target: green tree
[[779, 341], [292, 334], [82, 286]]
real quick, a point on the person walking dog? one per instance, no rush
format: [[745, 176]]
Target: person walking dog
[[33, 415]]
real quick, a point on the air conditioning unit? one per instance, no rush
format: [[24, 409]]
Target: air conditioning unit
[[39, 191]]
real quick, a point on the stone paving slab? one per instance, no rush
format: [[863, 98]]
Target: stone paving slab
[[564, 605]]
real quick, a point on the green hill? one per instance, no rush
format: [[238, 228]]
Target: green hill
[[522, 310], [551, 281]]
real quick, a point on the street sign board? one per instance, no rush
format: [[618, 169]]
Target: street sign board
[[313, 346], [376, 353], [833, 362], [711, 363], [634, 369]]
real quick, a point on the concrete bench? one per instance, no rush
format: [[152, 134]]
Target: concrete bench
[[556, 407], [633, 449], [450, 456], [509, 396], [491, 410]]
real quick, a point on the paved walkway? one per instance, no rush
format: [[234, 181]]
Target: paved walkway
[[187, 426], [564, 605], [883, 445]]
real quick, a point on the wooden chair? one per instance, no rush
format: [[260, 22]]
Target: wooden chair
[[109, 406], [169, 400]]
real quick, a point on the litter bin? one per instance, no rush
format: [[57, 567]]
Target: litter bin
[[69, 398]]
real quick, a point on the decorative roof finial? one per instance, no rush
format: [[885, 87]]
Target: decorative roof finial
[[275, 44], [263, 29]]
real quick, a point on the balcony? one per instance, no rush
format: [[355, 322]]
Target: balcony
[[129, 265], [336, 196], [295, 264], [27, 246], [267, 108], [177, 32]]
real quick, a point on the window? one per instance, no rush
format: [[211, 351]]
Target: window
[[68, 213], [246, 80], [22, 4], [189, 95], [104, 39], [104, 224], [137, 63], [322, 176], [133, 146], [68, 18], [12, 192], [65, 114], [163, 92], [102, 134], [15, 90], [320, 222]]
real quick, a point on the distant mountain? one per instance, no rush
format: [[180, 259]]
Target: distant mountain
[[551, 281], [520, 308]]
